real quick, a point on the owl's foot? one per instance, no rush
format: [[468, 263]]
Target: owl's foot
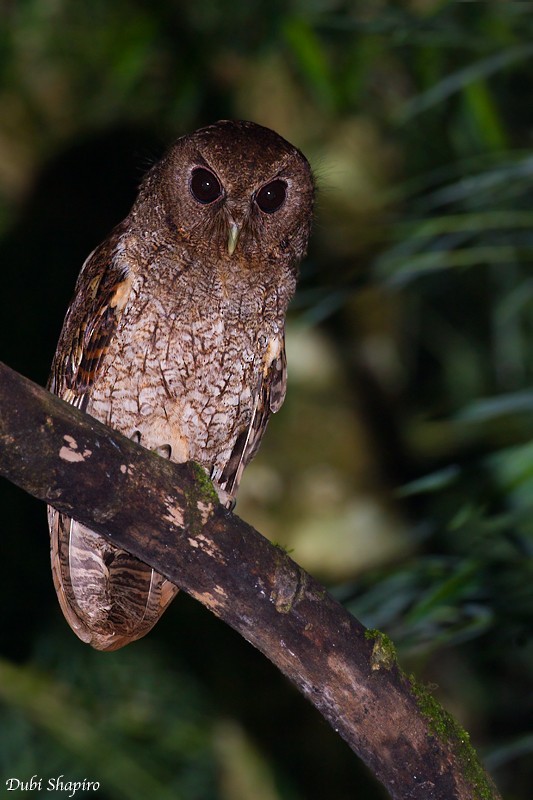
[[229, 506], [163, 450]]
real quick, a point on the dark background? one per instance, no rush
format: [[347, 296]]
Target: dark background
[[400, 470]]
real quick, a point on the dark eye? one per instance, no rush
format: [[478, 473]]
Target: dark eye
[[205, 187], [272, 196]]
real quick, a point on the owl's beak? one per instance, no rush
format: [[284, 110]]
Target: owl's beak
[[233, 236]]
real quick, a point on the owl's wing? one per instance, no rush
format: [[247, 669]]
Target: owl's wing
[[108, 597], [101, 293], [268, 398]]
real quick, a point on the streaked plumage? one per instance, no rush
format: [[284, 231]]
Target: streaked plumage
[[175, 337]]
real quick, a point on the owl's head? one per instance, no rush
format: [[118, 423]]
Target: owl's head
[[234, 191]]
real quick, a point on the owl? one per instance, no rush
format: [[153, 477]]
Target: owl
[[175, 338]]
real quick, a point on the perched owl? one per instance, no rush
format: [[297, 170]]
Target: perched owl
[[175, 337]]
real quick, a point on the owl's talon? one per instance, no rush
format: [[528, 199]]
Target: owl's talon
[[230, 506], [136, 437], [163, 450]]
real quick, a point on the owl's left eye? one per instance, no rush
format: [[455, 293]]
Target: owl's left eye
[[272, 196], [205, 187]]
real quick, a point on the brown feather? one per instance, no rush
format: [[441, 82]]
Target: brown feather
[[269, 397], [90, 321]]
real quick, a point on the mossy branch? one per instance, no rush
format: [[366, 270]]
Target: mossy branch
[[168, 515]]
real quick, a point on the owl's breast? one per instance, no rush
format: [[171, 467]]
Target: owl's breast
[[180, 377]]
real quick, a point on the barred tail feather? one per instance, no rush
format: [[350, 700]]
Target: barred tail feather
[[108, 597]]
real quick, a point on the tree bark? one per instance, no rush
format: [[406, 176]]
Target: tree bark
[[168, 515]]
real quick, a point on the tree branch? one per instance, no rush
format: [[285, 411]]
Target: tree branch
[[168, 515]]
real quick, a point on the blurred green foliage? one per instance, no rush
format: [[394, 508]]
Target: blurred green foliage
[[401, 467]]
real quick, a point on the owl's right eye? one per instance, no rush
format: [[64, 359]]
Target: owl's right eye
[[205, 187]]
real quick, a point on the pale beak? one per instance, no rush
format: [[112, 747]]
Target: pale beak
[[233, 237]]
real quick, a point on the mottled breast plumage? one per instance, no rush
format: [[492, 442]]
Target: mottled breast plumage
[[175, 337]]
